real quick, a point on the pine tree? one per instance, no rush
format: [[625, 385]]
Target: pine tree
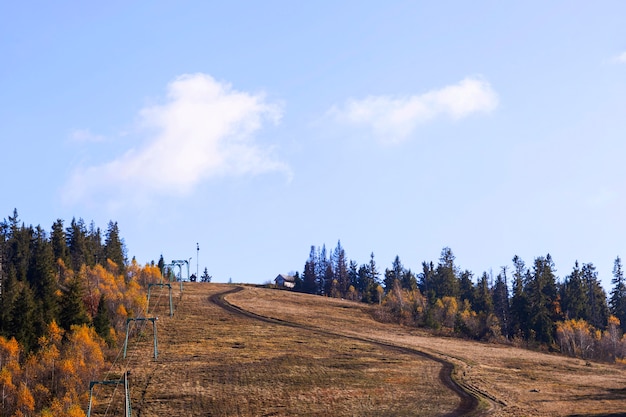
[[17, 246], [58, 240], [321, 271], [483, 301], [617, 302], [394, 274], [10, 292], [426, 280], [596, 297], [369, 281], [72, 307], [466, 287], [501, 305], [77, 244], [93, 242], [102, 321], [205, 276], [445, 281], [519, 300], [43, 281], [340, 269], [310, 283], [573, 296], [542, 300], [22, 325], [114, 246]]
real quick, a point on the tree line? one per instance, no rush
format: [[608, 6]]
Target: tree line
[[64, 299], [522, 304]]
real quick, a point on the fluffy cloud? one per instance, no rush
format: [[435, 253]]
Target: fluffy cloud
[[394, 119], [203, 130]]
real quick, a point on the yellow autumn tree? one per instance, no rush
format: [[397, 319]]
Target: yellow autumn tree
[[576, 338], [25, 401]]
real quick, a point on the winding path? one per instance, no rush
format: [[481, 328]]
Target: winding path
[[469, 398]]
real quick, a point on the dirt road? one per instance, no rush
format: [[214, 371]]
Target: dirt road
[[218, 360]]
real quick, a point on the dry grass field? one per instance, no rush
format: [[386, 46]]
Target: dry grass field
[[310, 356]]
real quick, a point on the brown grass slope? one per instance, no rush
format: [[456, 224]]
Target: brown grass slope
[[323, 356]]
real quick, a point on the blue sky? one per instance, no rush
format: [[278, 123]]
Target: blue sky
[[258, 129]]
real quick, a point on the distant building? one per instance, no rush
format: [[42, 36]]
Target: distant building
[[285, 281]]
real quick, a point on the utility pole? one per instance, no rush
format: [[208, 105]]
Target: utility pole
[[197, 261]]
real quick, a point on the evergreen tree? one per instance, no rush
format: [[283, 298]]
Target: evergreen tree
[[340, 269], [102, 321], [483, 301], [426, 280], [353, 275], [205, 277], [466, 287], [369, 281], [114, 246], [501, 302], [77, 244], [43, 281], [8, 295], [330, 285], [309, 278], [596, 297], [542, 299], [72, 306], [520, 308], [445, 281], [17, 252], [573, 296], [394, 274], [58, 240], [93, 241], [617, 302], [321, 270], [22, 325]]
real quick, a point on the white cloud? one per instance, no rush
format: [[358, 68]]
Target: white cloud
[[203, 130], [85, 135], [621, 58], [394, 119]]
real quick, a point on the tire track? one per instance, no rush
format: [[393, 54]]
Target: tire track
[[470, 398]]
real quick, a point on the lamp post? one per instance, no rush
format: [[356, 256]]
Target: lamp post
[[197, 261]]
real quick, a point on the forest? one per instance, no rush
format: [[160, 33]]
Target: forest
[[526, 305], [65, 296], [64, 300]]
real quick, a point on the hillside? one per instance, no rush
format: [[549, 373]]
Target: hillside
[[254, 352]]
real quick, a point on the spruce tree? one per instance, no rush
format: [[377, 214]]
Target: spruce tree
[[77, 244], [596, 297], [466, 287], [520, 308], [43, 281], [394, 274], [22, 325], [340, 269], [114, 246], [542, 300], [205, 276], [72, 306], [445, 281], [501, 305], [58, 240], [573, 296], [617, 301], [483, 301], [102, 320]]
